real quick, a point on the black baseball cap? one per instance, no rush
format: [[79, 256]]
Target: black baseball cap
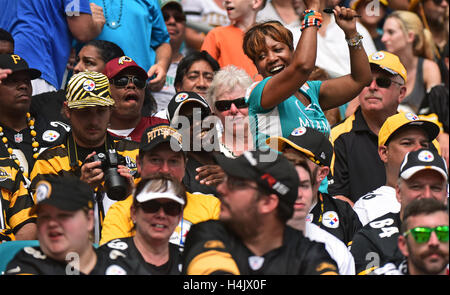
[[182, 98], [67, 193], [17, 64], [422, 159], [311, 142], [158, 134], [269, 169]]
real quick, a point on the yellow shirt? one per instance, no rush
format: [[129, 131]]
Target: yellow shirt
[[118, 224]]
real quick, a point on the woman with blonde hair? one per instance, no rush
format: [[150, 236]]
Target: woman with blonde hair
[[405, 36]]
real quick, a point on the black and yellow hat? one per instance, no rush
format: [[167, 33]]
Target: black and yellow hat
[[66, 193], [88, 89], [312, 143]]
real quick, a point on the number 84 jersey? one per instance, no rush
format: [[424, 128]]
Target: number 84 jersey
[[376, 243]]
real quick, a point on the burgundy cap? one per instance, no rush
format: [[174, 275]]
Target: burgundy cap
[[118, 64]]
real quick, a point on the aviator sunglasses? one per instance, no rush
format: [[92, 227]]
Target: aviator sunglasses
[[124, 80], [225, 105], [422, 234], [153, 206]]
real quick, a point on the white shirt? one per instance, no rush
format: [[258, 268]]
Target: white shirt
[[335, 247], [377, 203], [206, 12], [332, 50]]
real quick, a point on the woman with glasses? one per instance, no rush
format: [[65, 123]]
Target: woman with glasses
[[285, 100], [226, 96], [157, 208]]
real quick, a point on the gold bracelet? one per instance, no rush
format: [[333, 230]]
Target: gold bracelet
[[355, 41]]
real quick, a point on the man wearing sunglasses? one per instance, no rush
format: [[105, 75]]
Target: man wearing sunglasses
[[423, 240], [423, 175], [127, 84], [357, 169]]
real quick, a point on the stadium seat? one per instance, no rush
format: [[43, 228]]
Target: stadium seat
[[9, 249]]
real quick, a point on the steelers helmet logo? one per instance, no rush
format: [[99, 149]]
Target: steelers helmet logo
[[299, 131], [378, 55], [43, 191], [89, 85], [181, 97], [425, 156], [411, 116]]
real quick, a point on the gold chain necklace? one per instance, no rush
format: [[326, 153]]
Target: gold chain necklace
[[34, 144]]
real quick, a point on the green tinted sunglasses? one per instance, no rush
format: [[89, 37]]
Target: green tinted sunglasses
[[423, 234]]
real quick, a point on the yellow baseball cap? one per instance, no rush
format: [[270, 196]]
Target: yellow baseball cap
[[388, 62], [88, 89], [397, 121], [354, 4]]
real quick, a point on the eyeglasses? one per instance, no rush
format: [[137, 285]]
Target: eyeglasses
[[178, 16], [124, 80], [422, 234], [384, 82], [225, 105], [153, 206]]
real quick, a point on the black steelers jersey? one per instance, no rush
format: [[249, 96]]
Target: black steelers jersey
[[211, 249]]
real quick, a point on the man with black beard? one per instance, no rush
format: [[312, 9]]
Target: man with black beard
[[251, 237]]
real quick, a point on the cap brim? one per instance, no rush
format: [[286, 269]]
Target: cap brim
[[157, 141], [430, 128], [408, 173], [234, 168], [176, 114], [148, 196], [61, 205], [279, 143], [90, 102], [34, 74], [140, 72]]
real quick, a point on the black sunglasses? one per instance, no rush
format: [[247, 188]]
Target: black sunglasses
[[153, 206], [384, 82], [178, 16], [124, 80], [225, 105], [438, 2]]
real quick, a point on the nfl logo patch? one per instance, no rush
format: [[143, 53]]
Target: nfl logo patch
[[89, 85], [18, 137]]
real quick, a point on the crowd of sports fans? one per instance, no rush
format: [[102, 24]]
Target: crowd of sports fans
[[258, 137]]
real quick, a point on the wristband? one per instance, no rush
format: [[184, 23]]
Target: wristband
[[355, 41]]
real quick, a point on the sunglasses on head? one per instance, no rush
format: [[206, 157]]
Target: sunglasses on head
[[178, 16], [153, 206], [422, 234], [225, 105], [124, 80], [384, 82]]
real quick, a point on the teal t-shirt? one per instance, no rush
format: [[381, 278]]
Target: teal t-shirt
[[282, 119]]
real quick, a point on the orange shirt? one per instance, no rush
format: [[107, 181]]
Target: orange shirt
[[225, 45]]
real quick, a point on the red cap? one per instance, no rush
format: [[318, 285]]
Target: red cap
[[118, 64]]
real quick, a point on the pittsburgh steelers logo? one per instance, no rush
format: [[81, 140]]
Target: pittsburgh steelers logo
[[299, 131], [43, 191], [89, 85], [378, 55], [425, 156], [411, 116], [330, 219], [50, 135], [115, 270], [181, 97]]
